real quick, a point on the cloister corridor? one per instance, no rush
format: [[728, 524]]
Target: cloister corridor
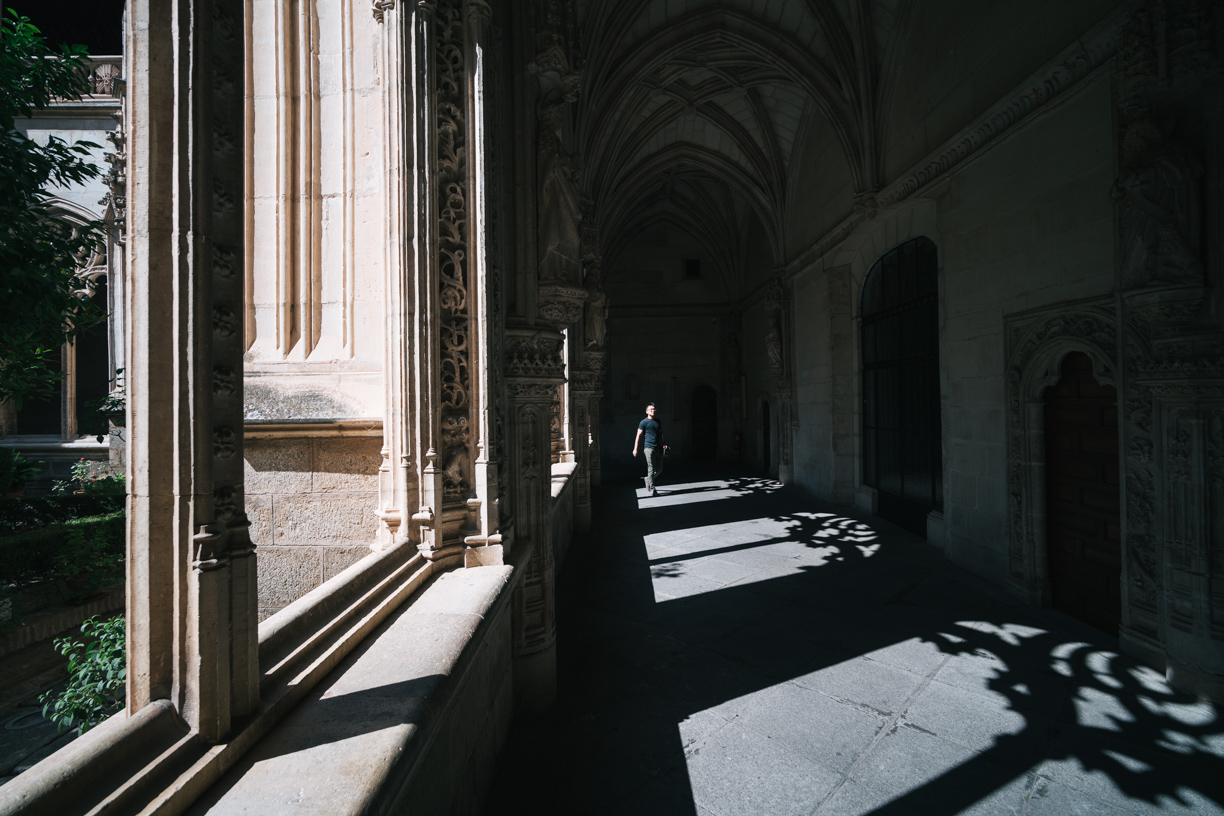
[[734, 646]]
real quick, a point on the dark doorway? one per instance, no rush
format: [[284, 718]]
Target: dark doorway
[[1083, 531], [44, 415], [765, 434], [705, 425], [902, 438]]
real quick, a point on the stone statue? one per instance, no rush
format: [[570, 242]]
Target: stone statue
[[596, 309], [773, 345], [558, 236], [1159, 197]]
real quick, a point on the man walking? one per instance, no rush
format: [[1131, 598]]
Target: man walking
[[651, 435]]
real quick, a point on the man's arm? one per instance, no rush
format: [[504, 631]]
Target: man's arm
[[636, 440]]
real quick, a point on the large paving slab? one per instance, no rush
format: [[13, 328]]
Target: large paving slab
[[736, 647]]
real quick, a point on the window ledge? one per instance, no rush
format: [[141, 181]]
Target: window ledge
[[562, 474], [54, 444], [405, 646]]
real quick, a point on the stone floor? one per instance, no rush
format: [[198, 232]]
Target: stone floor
[[736, 647]]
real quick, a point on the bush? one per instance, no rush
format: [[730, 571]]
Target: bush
[[20, 514], [79, 556], [90, 477], [97, 673], [15, 471]]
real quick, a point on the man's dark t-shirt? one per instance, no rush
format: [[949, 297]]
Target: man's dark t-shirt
[[653, 434]]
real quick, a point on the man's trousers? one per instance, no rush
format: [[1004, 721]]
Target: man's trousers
[[654, 466]]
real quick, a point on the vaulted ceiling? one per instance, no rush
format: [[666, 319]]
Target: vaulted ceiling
[[692, 112]]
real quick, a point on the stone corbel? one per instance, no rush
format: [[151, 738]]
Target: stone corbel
[[379, 8], [561, 304]]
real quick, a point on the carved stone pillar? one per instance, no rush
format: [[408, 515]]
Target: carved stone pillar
[[534, 368], [778, 347], [483, 539], [192, 634], [405, 96], [584, 390], [596, 363], [1173, 392], [439, 478]]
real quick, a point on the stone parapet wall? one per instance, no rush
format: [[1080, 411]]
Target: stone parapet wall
[[312, 506]]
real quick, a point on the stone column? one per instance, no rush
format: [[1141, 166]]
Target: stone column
[[534, 368], [584, 384], [597, 363], [483, 541], [1172, 397], [192, 635], [778, 347], [404, 84]]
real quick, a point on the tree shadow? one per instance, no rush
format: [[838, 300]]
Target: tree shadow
[[667, 667]]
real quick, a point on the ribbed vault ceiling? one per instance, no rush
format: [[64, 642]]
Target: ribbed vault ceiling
[[691, 111]]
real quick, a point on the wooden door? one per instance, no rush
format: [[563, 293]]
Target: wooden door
[[1083, 535]]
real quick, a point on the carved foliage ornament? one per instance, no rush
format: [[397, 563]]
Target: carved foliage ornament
[[536, 355], [453, 268]]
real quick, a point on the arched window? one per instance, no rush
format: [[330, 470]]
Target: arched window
[[902, 440]]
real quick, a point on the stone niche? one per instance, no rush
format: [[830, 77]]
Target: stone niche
[[312, 506]]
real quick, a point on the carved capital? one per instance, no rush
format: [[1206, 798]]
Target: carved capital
[[380, 7], [586, 381], [478, 11], [538, 354], [562, 305]]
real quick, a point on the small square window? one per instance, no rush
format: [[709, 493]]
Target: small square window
[[692, 267]]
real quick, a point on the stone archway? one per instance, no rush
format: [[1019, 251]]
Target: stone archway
[[1084, 525], [1037, 346]]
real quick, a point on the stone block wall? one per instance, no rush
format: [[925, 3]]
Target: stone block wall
[[666, 358], [1027, 225], [312, 506]]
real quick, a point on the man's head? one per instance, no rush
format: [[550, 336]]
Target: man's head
[[650, 410]]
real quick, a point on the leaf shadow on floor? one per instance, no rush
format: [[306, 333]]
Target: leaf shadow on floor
[[648, 679]]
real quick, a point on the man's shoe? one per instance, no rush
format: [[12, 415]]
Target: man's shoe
[[653, 492]]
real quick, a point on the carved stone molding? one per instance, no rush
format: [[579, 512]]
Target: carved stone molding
[[1060, 74], [586, 381], [536, 354], [379, 8], [1037, 344], [115, 178], [455, 293], [597, 360], [562, 305]]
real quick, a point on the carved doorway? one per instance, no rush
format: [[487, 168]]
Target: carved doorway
[[765, 434], [902, 435], [1083, 528], [704, 429]]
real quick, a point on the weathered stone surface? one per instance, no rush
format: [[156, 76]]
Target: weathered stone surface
[[402, 707], [346, 465], [324, 519], [259, 511], [287, 573], [337, 559], [278, 466]]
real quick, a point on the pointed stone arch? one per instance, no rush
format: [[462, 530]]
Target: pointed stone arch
[[846, 267], [1037, 345]]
